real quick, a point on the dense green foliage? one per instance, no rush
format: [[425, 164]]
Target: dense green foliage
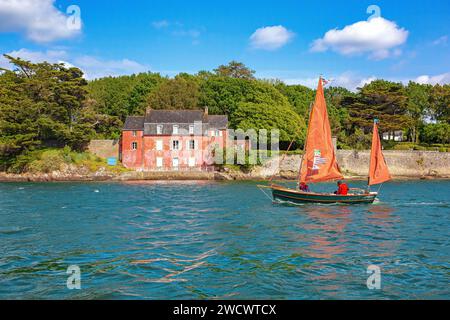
[[41, 104], [44, 105]]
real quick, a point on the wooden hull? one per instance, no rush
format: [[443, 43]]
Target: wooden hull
[[299, 197]]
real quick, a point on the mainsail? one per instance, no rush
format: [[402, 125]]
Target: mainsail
[[319, 161], [378, 171]]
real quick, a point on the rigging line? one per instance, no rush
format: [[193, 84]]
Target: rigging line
[[285, 154], [379, 188], [265, 194]]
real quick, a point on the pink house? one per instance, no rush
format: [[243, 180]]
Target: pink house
[[168, 140]]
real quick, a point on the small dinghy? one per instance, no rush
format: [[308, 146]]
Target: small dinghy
[[319, 163]]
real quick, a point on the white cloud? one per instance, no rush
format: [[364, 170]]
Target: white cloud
[[39, 56], [193, 33], [348, 80], [352, 80], [443, 78], [378, 37], [440, 41], [160, 24], [39, 20], [270, 38], [93, 67]]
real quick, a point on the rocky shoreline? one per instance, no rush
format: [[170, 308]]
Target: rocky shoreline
[[404, 165], [174, 176]]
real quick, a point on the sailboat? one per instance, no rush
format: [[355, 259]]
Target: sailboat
[[319, 163]]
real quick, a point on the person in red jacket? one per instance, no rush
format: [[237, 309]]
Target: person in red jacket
[[342, 189]]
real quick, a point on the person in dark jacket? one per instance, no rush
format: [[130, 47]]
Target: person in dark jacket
[[304, 187]]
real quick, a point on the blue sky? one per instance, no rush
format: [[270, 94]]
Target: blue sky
[[294, 41]]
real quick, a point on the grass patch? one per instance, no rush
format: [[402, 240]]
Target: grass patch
[[49, 160]]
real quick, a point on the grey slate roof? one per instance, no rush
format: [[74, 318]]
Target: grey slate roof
[[174, 116], [218, 121], [182, 118], [134, 123]]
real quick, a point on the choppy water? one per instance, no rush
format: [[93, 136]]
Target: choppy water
[[198, 240]]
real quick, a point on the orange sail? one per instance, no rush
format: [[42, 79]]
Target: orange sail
[[319, 162], [378, 172]]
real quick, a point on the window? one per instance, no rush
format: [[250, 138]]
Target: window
[[175, 129], [212, 133], [134, 133], [134, 145], [191, 129], [191, 162], [175, 145], [175, 162], [192, 144], [159, 129], [159, 162], [159, 145], [217, 133]]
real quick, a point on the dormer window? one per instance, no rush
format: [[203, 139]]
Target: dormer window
[[191, 129], [159, 129], [175, 129]]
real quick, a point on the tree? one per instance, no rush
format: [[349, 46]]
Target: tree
[[257, 116], [236, 70], [339, 117], [179, 93], [123, 96], [440, 103], [380, 99], [300, 97], [436, 133], [418, 106], [41, 104]]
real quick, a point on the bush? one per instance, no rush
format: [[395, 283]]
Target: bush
[[435, 133], [403, 147]]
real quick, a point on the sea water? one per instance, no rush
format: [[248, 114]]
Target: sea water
[[220, 240]]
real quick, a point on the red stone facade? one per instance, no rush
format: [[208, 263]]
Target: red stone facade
[[166, 141]]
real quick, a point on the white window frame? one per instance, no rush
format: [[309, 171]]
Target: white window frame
[[217, 133], [191, 129], [178, 162], [177, 143], [134, 145], [159, 129], [190, 146], [134, 133], [175, 129], [159, 162], [192, 162], [159, 145]]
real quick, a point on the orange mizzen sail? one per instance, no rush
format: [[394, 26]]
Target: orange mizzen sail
[[319, 162], [378, 171]]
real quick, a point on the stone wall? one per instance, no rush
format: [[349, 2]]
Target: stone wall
[[400, 163], [356, 163], [104, 148]]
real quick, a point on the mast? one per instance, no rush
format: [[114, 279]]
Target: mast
[[304, 145]]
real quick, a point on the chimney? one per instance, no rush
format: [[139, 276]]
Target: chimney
[[206, 111]]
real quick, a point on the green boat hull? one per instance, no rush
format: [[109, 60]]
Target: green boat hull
[[298, 197]]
